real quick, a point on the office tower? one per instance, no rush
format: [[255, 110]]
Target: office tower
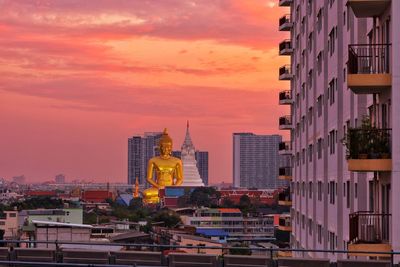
[[344, 79], [202, 165], [256, 161], [140, 150]]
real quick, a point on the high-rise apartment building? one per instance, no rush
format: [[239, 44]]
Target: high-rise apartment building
[[344, 79], [140, 150], [256, 161]]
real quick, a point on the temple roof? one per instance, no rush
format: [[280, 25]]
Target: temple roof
[[188, 140]]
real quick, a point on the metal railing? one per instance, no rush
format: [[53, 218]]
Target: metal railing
[[285, 95], [372, 143], [369, 58], [267, 251], [285, 195], [285, 19], [286, 69], [285, 44], [285, 120], [369, 227], [283, 146], [285, 171]]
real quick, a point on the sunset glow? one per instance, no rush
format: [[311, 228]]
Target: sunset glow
[[77, 78]]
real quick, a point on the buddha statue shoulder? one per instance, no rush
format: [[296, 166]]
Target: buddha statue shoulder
[[168, 170]]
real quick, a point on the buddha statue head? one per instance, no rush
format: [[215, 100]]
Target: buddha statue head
[[165, 145]]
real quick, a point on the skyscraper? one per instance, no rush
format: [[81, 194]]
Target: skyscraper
[[344, 95], [256, 161], [202, 165], [140, 150]]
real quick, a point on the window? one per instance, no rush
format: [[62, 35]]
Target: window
[[13, 215], [303, 189], [310, 79], [319, 190], [303, 58], [332, 192], [303, 24], [319, 234], [332, 239], [310, 152], [303, 218], [319, 62], [332, 40], [303, 123], [297, 217], [303, 90], [320, 99], [355, 190], [319, 148], [331, 3], [332, 88], [297, 158], [309, 7], [310, 189], [348, 194], [310, 115], [332, 141], [310, 226], [319, 19], [310, 41], [303, 156]]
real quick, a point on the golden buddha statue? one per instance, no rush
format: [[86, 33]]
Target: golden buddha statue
[[168, 170]]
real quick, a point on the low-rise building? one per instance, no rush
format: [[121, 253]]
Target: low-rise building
[[230, 223], [9, 224]]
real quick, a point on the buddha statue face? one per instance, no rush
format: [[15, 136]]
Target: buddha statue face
[[166, 149], [165, 145]]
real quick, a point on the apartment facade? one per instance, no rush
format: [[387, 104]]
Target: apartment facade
[[343, 85], [141, 148], [256, 161]]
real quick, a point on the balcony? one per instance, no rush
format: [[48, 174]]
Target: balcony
[[369, 68], [285, 123], [285, 97], [285, 23], [285, 223], [285, 173], [285, 73], [368, 8], [369, 231], [285, 198], [285, 2], [369, 149], [285, 148], [285, 48]]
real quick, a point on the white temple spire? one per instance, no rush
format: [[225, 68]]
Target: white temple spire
[[190, 172]]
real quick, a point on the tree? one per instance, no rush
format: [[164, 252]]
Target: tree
[[168, 218], [204, 196]]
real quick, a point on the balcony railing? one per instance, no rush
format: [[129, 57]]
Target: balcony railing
[[368, 227], [370, 143], [285, 97], [285, 2], [285, 23], [285, 122], [369, 58], [285, 146], [285, 171], [285, 196], [285, 47], [285, 73]]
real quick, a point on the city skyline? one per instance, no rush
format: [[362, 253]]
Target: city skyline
[[78, 79]]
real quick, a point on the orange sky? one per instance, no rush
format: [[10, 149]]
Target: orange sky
[[77, 78]]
